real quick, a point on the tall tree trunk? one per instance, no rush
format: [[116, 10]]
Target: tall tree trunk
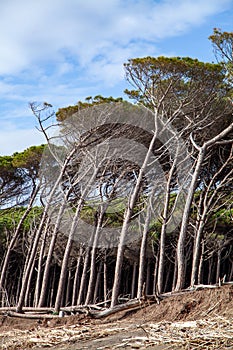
[[127, 217], [16, 234], [97, 283], [44, 284], [174, 275], [84, 275], [231, 272], [31, 259], [155, 273], [76, 278], [105, 279], [148, 268], [90, 289], [185, 219], [19, 285], [184, 224], [62, 279], [52, 288], [168, 272], [40, 265], [200, 268], [218, 267], [210, 272], [68, 288], [164, 229], [142, 258], [65, 261], [27, 292], [133, 279]]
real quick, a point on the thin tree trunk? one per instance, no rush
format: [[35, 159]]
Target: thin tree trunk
[[52, 288], [231, 272], [133, 279], [19, 285], [142, 258], [163, 231], [90, 289], [174, 275], [97, 283], [31, 259], [65, 261], [185, 219], [76, 278], [84, 275], [27, 293], [105, 279], [62, 279], [40, 265], [45, 279], [167, 277], [155, 273], [148, 277], [184, 224], [128, 215], [210, 272], [218, 265], [68, 286], [13, 240], [200, 268]]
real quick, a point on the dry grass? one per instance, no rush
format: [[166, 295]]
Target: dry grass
[[214, 333]]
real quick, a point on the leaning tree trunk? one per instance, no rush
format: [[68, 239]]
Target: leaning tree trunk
[[184, 224], [200, 268], [76, 278], [142, 258], [128, 215], [90, 289], [97, 283], [65, 261], [16, 235], [31, 260], [40, 265], [185, 219], [44, 284], [160, 276]]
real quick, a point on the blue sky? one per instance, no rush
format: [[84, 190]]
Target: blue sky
[[62, 51]]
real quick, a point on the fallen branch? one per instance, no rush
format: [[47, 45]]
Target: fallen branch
[[31, 316], [130, 305]]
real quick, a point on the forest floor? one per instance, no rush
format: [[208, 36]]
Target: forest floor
[[200, 319]]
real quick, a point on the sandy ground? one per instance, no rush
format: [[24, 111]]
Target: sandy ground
[[196, 320]]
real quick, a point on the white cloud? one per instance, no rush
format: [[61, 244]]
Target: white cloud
[[34, 32]]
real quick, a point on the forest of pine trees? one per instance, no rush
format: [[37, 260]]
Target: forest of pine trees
[[128, 199]]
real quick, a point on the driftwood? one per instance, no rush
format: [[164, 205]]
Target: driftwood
[[100, 310], [214, 333], [31, 315], [130, 305]]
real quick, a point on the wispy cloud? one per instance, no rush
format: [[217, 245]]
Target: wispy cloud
[[44, 31], [60, 51]]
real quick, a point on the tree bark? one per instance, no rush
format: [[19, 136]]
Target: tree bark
[[31, 260], [133, 284], [16, 235], [128, 215], [90, 289], [40, 265], [184, 224], [76, 278]]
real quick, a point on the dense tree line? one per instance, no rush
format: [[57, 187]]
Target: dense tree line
[[65, 232]]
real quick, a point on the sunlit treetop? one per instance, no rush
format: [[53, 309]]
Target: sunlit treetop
[[64, 113]]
